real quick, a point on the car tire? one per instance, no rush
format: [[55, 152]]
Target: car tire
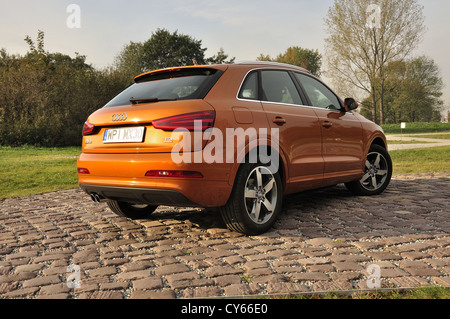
[[255, 201], [377, 173], [132, 211]]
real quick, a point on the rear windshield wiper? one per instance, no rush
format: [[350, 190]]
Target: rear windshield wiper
[[149, 100]]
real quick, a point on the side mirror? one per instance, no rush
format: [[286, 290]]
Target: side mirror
[[350, 104]]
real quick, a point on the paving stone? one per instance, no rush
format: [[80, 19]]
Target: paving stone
[[227, 280], [103, 271], [102, 295], [382, 255], [221, 271], [331, 285], [55, 289], [347, 266], [410, 282], [41, 281], [202, 292], [412, 264], [313, 261], [132, 275], [27, 268], [148, 283], [309, 276], [255, 264], [236, 290], [423, 272], [286, 288], [320, 241], [171, 269], [443, 281]]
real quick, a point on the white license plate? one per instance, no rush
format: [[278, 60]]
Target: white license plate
[[124, 135]]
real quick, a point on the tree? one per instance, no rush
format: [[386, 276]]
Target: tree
[[364, 36], [130, 61], [220, 58], [413, 91], [305, 58], [165, 49]]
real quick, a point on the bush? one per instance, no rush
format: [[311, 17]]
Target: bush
[[45, 97]]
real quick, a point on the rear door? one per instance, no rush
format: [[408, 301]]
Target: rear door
[[143, 117], [299, 129], [341, 131]]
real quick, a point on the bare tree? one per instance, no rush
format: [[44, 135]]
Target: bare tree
[[364, 36]]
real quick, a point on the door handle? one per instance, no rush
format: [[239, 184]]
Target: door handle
[[327, 124], [279, 121]]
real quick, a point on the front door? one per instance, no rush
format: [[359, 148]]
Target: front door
[[342, 136]]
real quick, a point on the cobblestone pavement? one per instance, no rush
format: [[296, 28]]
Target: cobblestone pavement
[[324, 240]]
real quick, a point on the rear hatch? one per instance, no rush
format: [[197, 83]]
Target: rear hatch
[[143, 117]]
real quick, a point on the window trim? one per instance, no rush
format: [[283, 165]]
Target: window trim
[[298, 85], [341, 104], [260, 89]]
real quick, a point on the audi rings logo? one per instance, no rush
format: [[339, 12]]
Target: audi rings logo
[[119, 117]]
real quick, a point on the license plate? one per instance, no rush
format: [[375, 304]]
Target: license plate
[[124, 135]]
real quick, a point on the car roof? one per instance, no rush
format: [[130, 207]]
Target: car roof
[[223, 67], [274, 64]]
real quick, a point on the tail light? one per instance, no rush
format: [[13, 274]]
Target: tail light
[[88, 129], [83, 171], [204, 121]]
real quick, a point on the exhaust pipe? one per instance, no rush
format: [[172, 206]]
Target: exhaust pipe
[[95, 198]]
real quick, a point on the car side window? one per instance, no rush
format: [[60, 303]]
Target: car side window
[[249, 89], [318, 93], [278, 87]]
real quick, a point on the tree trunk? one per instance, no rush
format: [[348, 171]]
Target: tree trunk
[[374, 105]]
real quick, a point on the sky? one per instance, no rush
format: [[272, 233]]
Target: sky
[[244, 29]]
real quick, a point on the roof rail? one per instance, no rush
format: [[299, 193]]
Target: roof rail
[[274, 64]]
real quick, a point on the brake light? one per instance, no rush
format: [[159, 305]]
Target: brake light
[[203, 120], [174, 174], [83, 171], [88, 129]]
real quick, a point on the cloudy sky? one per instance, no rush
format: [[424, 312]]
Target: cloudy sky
[[244, 29]]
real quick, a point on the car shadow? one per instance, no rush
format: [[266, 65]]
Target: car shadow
[[406, 207]]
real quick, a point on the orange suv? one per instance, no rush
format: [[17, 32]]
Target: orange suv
[[237, 137]]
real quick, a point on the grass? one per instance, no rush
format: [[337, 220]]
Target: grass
[[425, 160], [416, 293], [412, 128], [31, 170], [406, 142]]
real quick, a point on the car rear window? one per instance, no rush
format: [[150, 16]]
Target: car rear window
[[175, 84]]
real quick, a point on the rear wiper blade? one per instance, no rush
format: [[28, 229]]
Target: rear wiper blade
[[149, 100]]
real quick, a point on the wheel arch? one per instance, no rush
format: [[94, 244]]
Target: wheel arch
[[282, 163]]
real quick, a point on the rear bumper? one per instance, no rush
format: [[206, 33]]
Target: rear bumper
[[122, 177], [139, 195]]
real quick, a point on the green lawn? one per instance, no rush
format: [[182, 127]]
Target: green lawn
[[425, 160], [31, 170], [412, 128], [417, 293]]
